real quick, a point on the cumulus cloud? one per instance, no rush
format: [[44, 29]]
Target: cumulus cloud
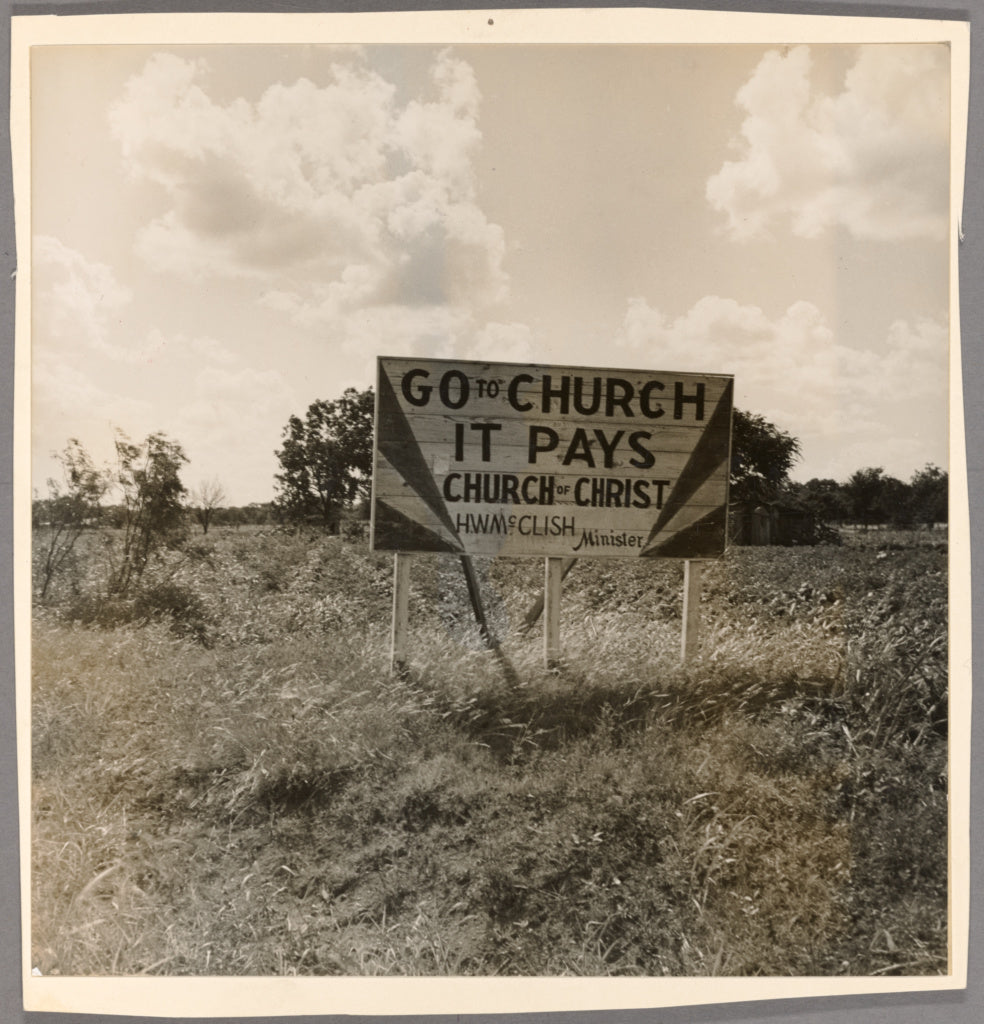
[[872, 158], [79, 305], [792, 370], [75, 298], [228, 418], [177, 351], [62, 393], [225, 403], [505, 343], [333, 198]]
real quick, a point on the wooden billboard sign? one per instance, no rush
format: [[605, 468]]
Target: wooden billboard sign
[[517, 460]]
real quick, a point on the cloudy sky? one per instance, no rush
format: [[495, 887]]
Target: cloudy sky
[[224, 234]]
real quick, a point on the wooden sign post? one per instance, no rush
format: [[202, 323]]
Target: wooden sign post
[[692, 572], [520, 460], [401, 609], [553, 576], [550, 599]]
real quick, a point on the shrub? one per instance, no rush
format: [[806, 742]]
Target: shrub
[[183, 608]]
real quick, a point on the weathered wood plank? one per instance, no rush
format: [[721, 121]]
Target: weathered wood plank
[[689, 641], [553, 577], [467, 451], [401, 609]]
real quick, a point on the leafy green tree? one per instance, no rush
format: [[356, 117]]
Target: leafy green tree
[[824, 498], [929, 495], [326, 459], [877, 498], [71, 506], [895, 503], [151, 510], [761, 457]]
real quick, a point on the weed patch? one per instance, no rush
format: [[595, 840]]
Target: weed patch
[[228, 780]]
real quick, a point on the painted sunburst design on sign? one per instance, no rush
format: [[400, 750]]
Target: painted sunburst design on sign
[[530, 460]]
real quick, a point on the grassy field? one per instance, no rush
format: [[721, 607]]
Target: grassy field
[[228, 780]]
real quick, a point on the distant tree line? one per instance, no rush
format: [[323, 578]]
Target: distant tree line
[[871, 498], [325, 472], [763, 456]]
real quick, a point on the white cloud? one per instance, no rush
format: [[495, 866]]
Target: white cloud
[[792, 370], [434, 331], [227, 403], [66, 401], [228, 422], [872, 158], [439, 137], [231, 425], [333, 198], [185, 351], [505, 343], [74, 298], [62, 393], [79, 305]]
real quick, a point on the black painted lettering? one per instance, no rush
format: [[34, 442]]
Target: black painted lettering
[[486, 431], [613, 493], [640, 494], [529, 489], [548, 391], [608, 447], [680, 400], [644, 458], [490, 489], [513, 392], [650, 410], [580, 405], [419, 396], [542, 439], [580, 449], [619, 395], [445, 389], [473, 487]]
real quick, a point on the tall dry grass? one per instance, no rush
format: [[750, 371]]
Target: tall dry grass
[[259, 795]]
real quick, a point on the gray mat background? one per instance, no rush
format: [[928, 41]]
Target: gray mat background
[[962, 1007]]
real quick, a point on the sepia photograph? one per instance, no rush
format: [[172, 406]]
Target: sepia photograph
[[490, 508]]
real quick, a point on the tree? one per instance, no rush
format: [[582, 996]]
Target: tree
[[70, 506], [326, 459], [761, 457], [895, 502], [256, 513], [151, 509], [875, 497], [825, 499], [205, 499], [929, 495]]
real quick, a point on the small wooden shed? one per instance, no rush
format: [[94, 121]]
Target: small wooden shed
[[771, 523]]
